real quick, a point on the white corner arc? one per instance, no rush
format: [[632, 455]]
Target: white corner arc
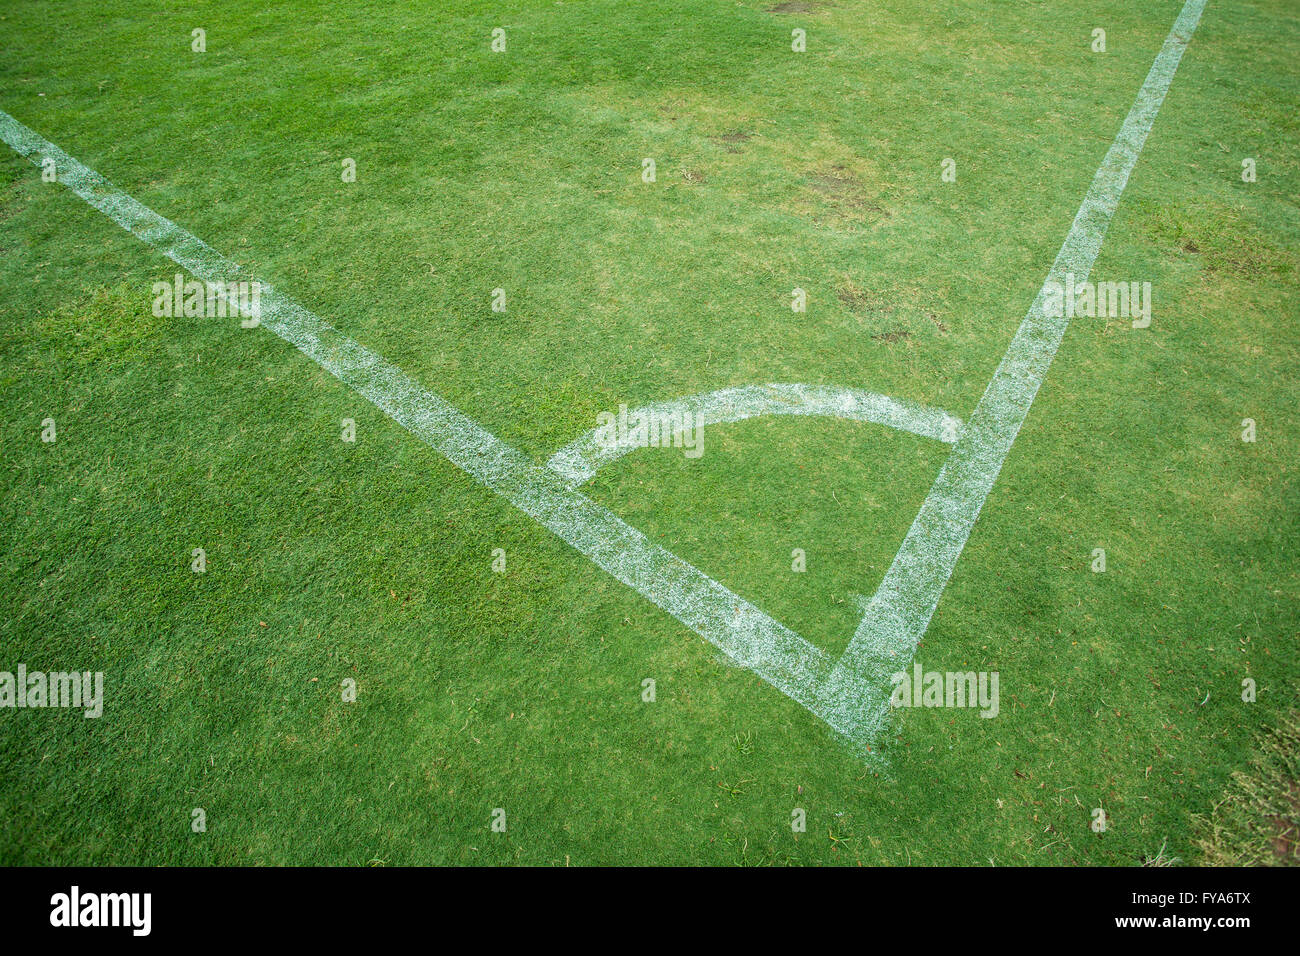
[[580, 460]]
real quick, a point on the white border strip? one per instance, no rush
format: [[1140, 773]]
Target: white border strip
[[899, 613], [732, 624]]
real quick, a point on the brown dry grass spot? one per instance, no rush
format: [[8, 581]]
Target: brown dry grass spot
[[799, 6]]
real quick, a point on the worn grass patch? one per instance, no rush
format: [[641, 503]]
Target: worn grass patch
[[1257, 821]]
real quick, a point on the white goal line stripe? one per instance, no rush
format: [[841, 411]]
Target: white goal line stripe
[[900, 611], [733, 625]]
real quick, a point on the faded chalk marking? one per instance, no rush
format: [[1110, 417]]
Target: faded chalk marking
[[579, 461]]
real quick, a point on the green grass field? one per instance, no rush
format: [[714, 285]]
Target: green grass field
[[522, 170]]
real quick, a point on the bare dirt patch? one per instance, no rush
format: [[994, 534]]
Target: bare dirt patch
[[843, 196]]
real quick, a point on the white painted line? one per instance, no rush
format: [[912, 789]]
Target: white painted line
[[579, 461], [856, 695], [733, 625], [850, 695]]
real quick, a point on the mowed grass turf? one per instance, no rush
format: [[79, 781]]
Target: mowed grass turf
[[522, 170]]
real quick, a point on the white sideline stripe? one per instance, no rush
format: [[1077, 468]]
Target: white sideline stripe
[[898, 615], [733, 625], [579, 461]]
